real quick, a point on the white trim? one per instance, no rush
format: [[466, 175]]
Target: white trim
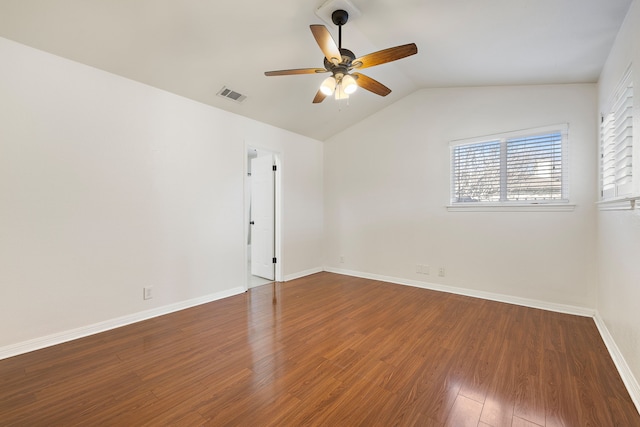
[[279, 204], [619, 203], [511, 207], [84, 331], [563, 128], [618, 359], [304, 273], [525, 302]]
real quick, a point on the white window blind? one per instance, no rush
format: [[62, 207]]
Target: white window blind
[[476, 176], [616, 142], [534, 167], [526, 167]]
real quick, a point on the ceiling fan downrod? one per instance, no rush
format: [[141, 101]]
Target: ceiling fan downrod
[[339, 18]]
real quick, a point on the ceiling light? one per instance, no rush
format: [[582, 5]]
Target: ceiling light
[[328, 86], [349, 84]]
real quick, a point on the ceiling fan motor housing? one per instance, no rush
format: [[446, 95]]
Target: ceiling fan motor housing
[[346, 61]]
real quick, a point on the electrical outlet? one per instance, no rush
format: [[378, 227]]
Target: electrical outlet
[[422, 269], [441, 272], [341, 259], [146, 293]]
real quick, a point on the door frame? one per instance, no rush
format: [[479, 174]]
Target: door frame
[[277, 159]]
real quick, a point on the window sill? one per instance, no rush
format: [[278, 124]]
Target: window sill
[[520, 207], [619, 204]]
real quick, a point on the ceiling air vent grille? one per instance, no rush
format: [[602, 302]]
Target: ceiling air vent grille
[[225, 92]]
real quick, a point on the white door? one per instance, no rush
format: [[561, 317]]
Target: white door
[[262, 217]]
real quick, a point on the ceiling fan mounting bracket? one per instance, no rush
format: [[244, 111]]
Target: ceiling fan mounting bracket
[[327, 8], [340, 17]]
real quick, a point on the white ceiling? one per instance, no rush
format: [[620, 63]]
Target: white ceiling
[[194, 47]]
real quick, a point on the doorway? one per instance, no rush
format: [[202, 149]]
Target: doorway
[[262, 214]]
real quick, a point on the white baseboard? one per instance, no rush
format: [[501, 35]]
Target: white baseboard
[[526, 302], [618, 359], [304, 273], [61, 337]]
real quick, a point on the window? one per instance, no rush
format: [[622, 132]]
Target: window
[[616, 142], [524, 167]]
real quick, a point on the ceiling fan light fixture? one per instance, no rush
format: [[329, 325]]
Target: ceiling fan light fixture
[[349, 84], [328, 85]]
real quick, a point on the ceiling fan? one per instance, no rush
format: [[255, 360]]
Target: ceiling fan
[[341, 62]]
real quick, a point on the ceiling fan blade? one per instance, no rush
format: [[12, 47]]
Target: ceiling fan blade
[[385, 55], [327, 45], [372, 85], [319, 97], [296, 71]]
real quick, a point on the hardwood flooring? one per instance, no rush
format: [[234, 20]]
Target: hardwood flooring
[[327, 350]]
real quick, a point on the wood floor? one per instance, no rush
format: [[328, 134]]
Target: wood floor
[[327, 350]]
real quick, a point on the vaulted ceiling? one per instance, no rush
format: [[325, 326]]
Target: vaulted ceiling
[[195, 47]]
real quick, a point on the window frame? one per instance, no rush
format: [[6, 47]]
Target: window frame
[[562, 204]]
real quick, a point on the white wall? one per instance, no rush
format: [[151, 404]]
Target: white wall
[[387, 185], [619, 231], [108, 185]]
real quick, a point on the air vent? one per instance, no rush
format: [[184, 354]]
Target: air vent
[[225, 92]]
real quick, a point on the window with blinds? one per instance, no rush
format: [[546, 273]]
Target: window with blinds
[[476, 172], [525, 167], [616, 142]]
